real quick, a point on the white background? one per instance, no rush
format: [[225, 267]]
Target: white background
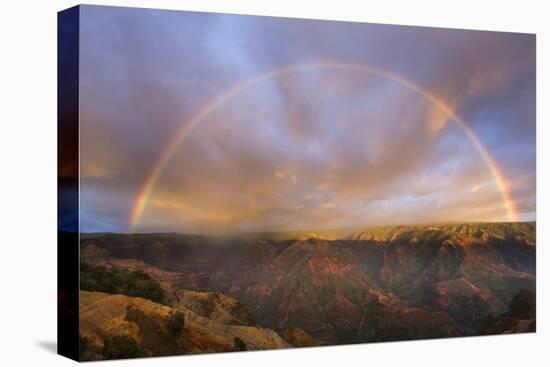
[[28, 182]]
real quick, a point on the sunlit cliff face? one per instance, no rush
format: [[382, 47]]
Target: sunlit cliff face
[[316, 148]]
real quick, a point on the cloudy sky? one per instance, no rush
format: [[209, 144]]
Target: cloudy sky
[[316, 147]]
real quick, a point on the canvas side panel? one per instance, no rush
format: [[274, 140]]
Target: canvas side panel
[[67, 183]]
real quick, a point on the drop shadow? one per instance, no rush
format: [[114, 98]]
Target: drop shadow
[[48, 345]]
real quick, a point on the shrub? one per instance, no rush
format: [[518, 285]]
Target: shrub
[[87, 351], [175, 322], [156, 339], [116, 281], [120, 346], [240, 345], [83, 344]]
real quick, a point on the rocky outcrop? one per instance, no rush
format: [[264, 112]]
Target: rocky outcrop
[[299, 338], [146, 323], [214, 306]]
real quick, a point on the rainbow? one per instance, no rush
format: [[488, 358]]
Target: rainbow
[[149, 183]]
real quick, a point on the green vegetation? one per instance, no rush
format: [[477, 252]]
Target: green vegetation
[[82, 344], [116, 281], [175, 322], [240, 345], [156, 338], [120, 346], [85, 352]]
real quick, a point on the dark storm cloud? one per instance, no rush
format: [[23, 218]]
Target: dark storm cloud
[[315, 148]]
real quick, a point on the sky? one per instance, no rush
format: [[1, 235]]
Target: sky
[[314, 147]]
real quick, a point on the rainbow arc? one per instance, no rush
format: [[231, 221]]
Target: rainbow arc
[[171, 148]]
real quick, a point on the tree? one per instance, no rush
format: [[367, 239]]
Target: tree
[[175, 322], [84, 351], [120, 346], [117, 281], [240, 345]]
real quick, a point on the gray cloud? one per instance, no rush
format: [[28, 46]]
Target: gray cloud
[[316, 148]]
